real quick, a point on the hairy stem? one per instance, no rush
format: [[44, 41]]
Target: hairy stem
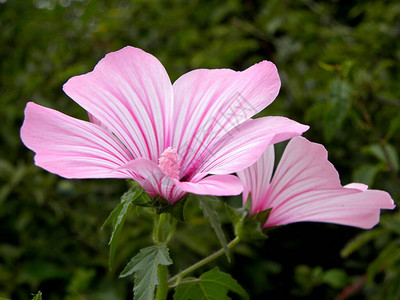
[[162, 289]]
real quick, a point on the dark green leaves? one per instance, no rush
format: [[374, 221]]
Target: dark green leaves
[[207, 204], [145, 267], [212, 285], [361, 240], [118, 215]]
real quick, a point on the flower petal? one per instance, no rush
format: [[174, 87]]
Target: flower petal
[[217, 185], [209, 103], [306, 187], [153, 180], [357, 186], [70, 147], [256, 179], [243, 145], [347, 207], [130, 93]]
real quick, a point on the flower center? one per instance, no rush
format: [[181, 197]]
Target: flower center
[[169, 162]]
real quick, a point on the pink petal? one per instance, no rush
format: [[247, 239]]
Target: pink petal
[[351, 207], [130, 93], [306, 187], [243, 145], [209, 103], [70, 147], [154, 181], [256, 179], [357, 186], [94, 120], [217, 185]]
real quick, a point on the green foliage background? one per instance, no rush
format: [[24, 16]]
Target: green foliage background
[[339, 62]]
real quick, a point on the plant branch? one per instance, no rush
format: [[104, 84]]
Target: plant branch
[[162, 289], [201, 263]]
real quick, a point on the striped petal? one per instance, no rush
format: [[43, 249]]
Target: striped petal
[[243, 145], [130, 93], [217, 185], [306, 187], [256, 179], [209, 103], [155, 182], [70, 147]]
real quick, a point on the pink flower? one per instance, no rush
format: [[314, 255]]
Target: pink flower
[[306, 187], [166, 137]]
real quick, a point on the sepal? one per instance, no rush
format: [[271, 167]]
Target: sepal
[[248, 227]]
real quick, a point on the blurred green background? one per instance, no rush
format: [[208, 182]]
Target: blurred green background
[[339, 62]]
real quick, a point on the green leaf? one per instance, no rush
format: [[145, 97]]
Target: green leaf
[[145, 267], [1, 298], [212, 285], [391, 223], [366, 173], [207, 204], [336, 278], [385, 153], [394, 128], [386, 258], [307, 277], [360, 240], [393, 289], [117, 218], [38, 296], [336, 107]]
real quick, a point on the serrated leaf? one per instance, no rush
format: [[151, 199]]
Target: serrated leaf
[[212, 285], [117, 218], [144, 266], [38, 296], [207, 204], [360, 240]]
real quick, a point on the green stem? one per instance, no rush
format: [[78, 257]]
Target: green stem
[[202, 262], [172, 230], [162, 289], [160, 228], [159, 237], [155, 228]]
